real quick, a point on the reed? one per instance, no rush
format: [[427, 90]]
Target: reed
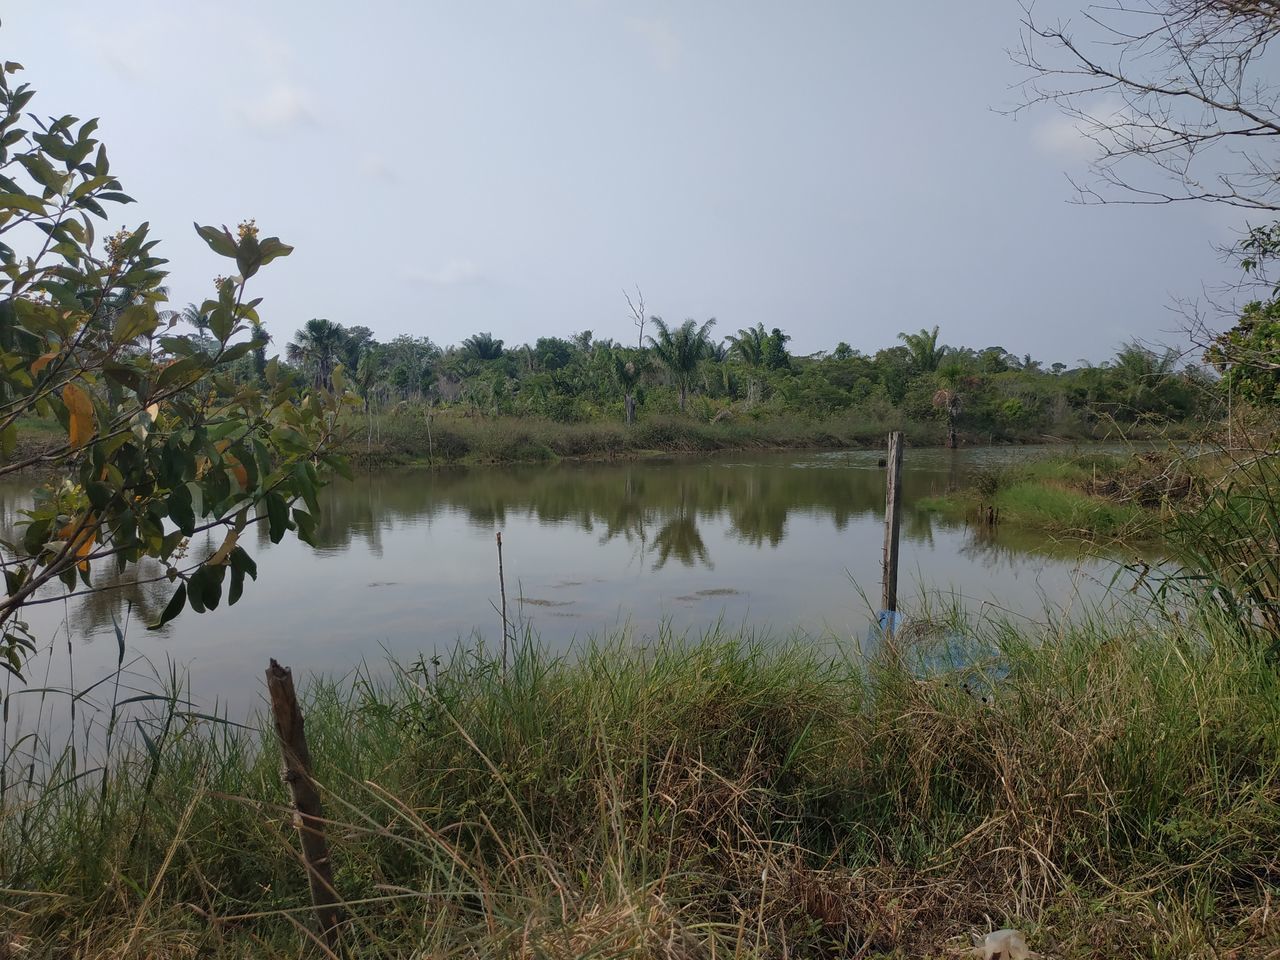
[[723, 794]]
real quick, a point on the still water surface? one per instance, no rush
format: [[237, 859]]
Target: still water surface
[[407, 563]]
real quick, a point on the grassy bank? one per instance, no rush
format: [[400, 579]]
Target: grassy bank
[[1128, 496], [409, 436], [720, 796]]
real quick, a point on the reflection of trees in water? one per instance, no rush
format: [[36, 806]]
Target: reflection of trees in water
[[118, 599], [679, 537], [1008, 547], [629, 501], [919, 526]]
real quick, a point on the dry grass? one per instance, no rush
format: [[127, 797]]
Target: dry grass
[[715, 797]]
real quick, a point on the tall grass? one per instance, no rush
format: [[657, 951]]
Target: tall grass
[[717, 795], [1230, 543], [406, 435], [1092, 495]]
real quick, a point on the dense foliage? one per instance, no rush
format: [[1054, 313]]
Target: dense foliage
[[155, 441], [751, 374]]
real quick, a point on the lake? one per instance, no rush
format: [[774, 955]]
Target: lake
[[406, 563]]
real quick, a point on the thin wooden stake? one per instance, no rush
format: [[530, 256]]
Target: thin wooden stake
[[306, 801], [502, 588], [892, 523]]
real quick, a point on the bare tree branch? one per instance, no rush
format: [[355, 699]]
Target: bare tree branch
[[1181, 98]]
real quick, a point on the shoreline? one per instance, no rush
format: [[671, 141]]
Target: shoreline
[[474, 441]]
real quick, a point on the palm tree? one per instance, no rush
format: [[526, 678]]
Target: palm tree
[[627, 373], [924, 349], [681, 350], [948, 398], [1141, 375], [368, 371], [260, 340], [482, 346], [749, 347], [318, 346], [193, 315]]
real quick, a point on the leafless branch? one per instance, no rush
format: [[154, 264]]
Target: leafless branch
[[1190, 88]]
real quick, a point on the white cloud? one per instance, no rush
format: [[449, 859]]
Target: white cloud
[[658, 38], [1063, 137], [455, 272], [283, 106], [1080, 138]]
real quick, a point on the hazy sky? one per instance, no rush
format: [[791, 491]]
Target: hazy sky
[[839, 169]]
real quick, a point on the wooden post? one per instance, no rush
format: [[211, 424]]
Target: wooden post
[[502, 589], [892, 522], [306, 801]]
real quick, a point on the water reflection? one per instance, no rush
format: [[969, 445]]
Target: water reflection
[[406, 562], [659, 504], [664, 500]]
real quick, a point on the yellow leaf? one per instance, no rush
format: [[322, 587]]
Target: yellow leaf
[[42, 361], [153, 411], [223, 552], [86, 545], [79, 415], [83, 541]]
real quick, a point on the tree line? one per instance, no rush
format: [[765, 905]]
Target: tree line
[[686, 368]]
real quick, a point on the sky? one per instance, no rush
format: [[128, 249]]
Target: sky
[[841, 170]]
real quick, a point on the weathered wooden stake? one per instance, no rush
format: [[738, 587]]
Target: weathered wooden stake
[[306, 801], [892, 521], [502, 588]]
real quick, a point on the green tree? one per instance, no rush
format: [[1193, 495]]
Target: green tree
[[948, 400], [628, 368], [748, 347], [482, 346], [318, 347], [775, 350], [924, 350], [1248, 355], [157, 442], [681, 350]]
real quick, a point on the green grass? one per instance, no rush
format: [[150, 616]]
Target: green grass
[[1093, 496], [406, 437], [721, 795]]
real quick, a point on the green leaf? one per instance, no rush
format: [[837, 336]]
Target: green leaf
[[271, 248], [179, 371], [237, 585], [21, 201], [240, 560], [180, 509], [173, 607], [220, 242], [306, 524], [249, 256], [277, 516], [212, 585], [237, 351], [42, 172], [100, 494], [195, 590], [133, 322]]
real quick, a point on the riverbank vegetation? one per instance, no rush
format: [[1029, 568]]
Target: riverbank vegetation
[[686, 390], [721, 795], [1090, 495]]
